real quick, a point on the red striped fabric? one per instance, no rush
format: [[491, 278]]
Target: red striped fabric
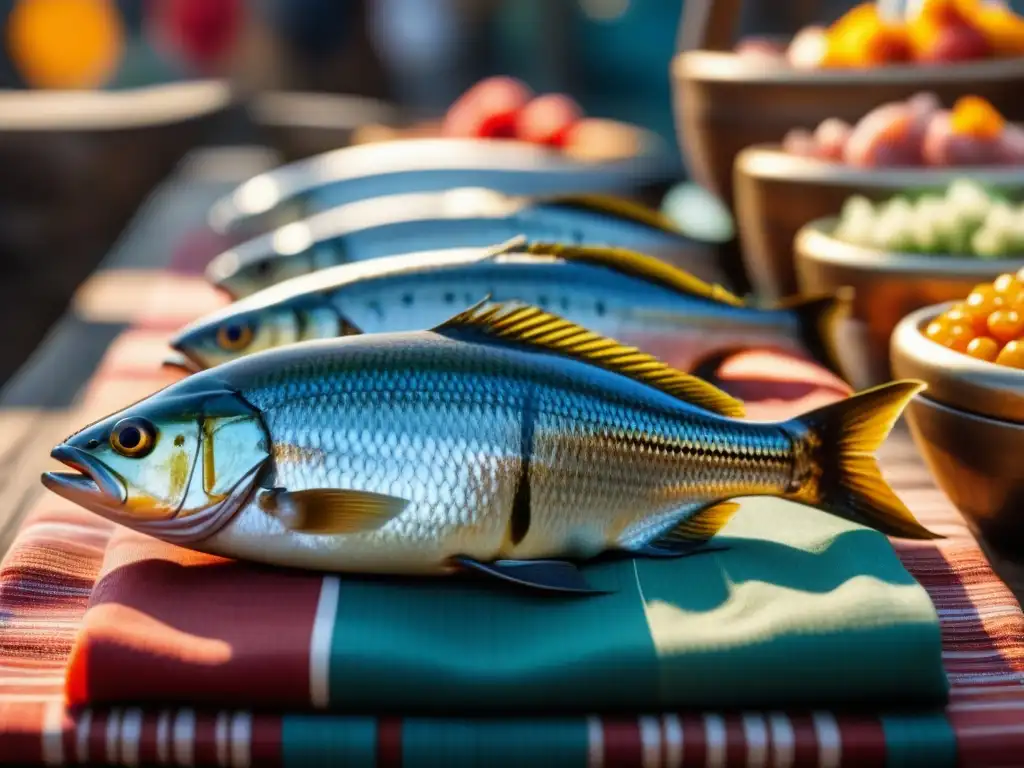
[[49, 574]]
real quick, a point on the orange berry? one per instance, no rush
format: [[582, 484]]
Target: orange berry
[[1005, 325], [959, 335], [1006, 285], [983, 348], [984, 300], [1012, 355], [936, 330], [961, 312]]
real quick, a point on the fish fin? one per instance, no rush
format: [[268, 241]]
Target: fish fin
[[335, 511], [618, 207], [697, 528], [347, 328], [844, 478], [692, 548], [515, 323], [513, 244], [547, 575], [818, 318], [639, 265]]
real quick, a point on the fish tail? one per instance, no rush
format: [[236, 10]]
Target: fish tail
[[817, 320], [837, 443]]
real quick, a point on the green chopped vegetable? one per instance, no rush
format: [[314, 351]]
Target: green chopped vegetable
[[965, 220], [989, 244]]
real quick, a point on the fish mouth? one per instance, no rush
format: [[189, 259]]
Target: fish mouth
[[90, 485], [180, 361]]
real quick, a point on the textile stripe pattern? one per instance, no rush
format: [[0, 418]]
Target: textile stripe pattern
[[48, 575]]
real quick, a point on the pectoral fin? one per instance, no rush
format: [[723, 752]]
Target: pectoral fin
[[692, 534], [331, 510], [547, 575]]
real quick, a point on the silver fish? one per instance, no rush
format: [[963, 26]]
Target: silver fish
[[300, 189], [507, 441], [629, 296], [397, 224]]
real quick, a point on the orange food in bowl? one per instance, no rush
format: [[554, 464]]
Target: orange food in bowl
[[988, 325], [862, 38], [1002, 27], [974, 116]]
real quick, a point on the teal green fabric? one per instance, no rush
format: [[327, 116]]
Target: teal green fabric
[[913, 740], [511, 744], [802, 609], [310, 742]]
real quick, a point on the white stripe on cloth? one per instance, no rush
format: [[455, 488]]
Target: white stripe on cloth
[[320, 642]]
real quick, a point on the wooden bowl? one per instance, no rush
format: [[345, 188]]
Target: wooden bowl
[[75, 163], [887, 286], [347, 175], [777, 193], [725, 102], [969, 427]]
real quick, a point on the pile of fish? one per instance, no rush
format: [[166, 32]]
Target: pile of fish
[[462, 380]]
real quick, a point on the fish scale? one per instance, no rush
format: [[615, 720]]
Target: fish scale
[[507, 441], [458, 422]]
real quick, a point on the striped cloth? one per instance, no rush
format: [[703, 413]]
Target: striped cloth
[[48, 576]]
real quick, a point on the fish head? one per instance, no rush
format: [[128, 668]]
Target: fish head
[[243, 271], [243, 330], [170, 457]]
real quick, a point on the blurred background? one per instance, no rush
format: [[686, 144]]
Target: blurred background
[[73, 176]]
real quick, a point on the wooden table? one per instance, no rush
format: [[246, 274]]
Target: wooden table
[[37, 408]]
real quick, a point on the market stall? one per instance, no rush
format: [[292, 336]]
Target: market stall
[[462, 445]]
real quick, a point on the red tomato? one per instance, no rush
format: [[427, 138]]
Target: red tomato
[[547, 119], [488, 110]]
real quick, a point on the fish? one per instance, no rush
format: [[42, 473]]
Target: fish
[[397, 224], [507, 442], [627, 295], [300, 189]]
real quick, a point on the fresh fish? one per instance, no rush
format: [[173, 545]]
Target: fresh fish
[[632, 297], [457, 218], [300, 189], [507, 441]]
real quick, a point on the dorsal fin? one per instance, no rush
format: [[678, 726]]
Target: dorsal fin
[[638, 265], [618, 207], [515, 323]]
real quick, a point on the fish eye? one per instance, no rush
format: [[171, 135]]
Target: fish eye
[[263, 268], [133, 437], [234, 336]]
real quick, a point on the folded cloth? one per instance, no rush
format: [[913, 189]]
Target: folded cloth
[[801, 610], [46, 579]]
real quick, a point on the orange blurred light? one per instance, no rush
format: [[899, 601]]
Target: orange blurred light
[[65, 43]]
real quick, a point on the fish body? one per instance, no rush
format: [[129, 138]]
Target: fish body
[[507, 440], [342, 176], [622, 294], [419, 222]]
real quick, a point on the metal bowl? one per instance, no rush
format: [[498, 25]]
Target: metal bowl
[[969, 427], [725, 102], [777, 193], [887, 286]]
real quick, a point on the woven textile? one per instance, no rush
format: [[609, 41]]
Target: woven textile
[[48, 576]]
